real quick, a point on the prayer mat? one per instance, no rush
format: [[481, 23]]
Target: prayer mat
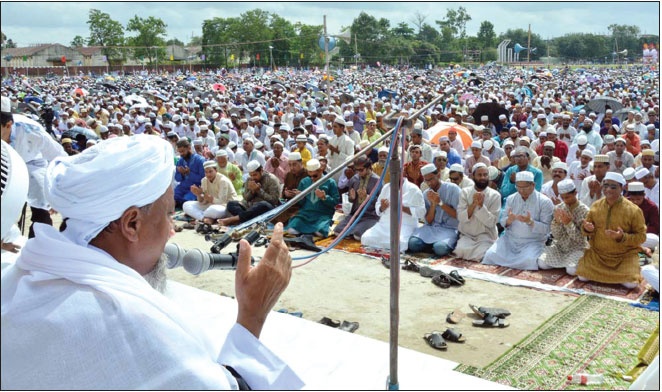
[[592, 335], [553, 277], [352, 246]]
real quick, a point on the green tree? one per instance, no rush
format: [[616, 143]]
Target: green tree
[[150, 41], [174, 41], [219, 40], [195, 41], [305, 49], [486, 35], [429, 34], [624, 37], [403, 30], [255, 32], [282, 31], [107, 33], [456, 21], [77, 42]]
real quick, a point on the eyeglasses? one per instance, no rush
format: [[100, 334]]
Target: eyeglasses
[[613, 187]]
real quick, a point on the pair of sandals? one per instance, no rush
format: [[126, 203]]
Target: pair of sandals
[[491, 317], [407, 266], [347, 326], [444, 280], [438, 340]]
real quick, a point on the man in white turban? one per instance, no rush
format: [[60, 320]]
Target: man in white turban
[[80, 309]]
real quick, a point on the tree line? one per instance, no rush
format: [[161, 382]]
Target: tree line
[[261, 38]]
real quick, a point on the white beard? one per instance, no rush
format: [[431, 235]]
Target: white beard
[[157, 276]]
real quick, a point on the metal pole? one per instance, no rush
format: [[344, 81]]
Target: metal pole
[[326, 48], [394, 315]]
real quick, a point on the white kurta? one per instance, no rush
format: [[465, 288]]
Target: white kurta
[[75, 318], [346, 146], [521, 244], [379, 235], [479, 232], [585, 193]]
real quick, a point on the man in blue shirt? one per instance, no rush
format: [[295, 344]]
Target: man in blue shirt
[[452, 155], [190, 171], [521, 158]]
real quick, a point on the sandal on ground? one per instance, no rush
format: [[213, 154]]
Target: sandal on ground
[[178, 229], [331, 323], [188, 226], [428, 272], [349, 326], [491, 321], [455, 316], [386, 263], [453, 336], [483, 310], [435, 340], [441, 281], [411, 266], [457, 278]]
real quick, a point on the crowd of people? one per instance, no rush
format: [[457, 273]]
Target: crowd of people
[[534, 188]]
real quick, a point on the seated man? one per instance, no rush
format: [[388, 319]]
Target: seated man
[[477, 214], [294, 175], [439, 233], [213, 196], [230, 170], [616, 229], [189, 172], [317, 208], [379, 166], [545, 161], [456, 176], [260, 195], [526, 222], [105, 273], [569, 243], [475, 157], [651, 213], [551, 188], [412, 169], [521, 156], [360, 187], [413, 209]]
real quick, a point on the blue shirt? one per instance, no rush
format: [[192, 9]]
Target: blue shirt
[[508, 188]]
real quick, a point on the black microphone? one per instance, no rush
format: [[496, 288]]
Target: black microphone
[[175, 254], [196, 261]]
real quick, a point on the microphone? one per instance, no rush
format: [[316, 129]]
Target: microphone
[[196, 261], [175, 254]]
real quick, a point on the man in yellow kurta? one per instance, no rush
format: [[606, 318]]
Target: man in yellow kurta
[[616, 229]]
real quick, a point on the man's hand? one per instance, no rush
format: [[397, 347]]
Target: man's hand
[[511, 217], [562, 216], [275, 162], [478, 199], [334, 149], [383, 205], [253, 186], [434, 198], [594, 187], [258, 288], [616, 235], [196, 190], [588, 226], [512, 177], [320, 193], [525, 218], [11, 247], [362, 193], [545, 161], [352, 193], [232, 176]]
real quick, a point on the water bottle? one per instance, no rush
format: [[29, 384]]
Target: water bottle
[[586, 379]]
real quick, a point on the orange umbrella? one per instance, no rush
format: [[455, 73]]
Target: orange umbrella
[[442, 128]]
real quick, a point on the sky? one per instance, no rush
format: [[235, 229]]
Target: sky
[[28, 23]]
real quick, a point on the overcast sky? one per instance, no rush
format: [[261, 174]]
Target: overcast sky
[[29, 23]]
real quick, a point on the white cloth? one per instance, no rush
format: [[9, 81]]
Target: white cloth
[[346, 147], [521, 244], [585, 193], [653, 193], [378, 236], [83, 187], [575, 169], [75, 318], [479, 232]]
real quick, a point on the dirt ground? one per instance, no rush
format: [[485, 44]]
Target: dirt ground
[[353, 287]]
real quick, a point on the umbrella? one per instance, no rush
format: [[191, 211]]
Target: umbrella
[[621, 114], [156, 95], [218, 87], [527, 90], [601, 104], [81, 92], [474, 82], [387, 94], [468, 97], [319, 94], [133, 99], [442, 128], [32, 98], [577, 108], [26, 108], [89, 134], [140, 105], [490, 109], [346, 98]]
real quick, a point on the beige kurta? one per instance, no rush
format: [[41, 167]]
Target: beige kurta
[[606, 260], [479, 232], [569, 242]]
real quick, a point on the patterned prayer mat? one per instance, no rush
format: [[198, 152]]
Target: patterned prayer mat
[[592, 335]]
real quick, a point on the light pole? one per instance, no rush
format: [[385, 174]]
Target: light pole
[[271, 57]]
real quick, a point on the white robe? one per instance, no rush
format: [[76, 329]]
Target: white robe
[[521, 244], [379, 235], [346, 146], [75, 318], [479, 232]]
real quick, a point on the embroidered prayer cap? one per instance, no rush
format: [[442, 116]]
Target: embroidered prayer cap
[[253, 166], [313, 164], [549, 144], [427, 169], [77, 185], [566, 186], [210, 164], [647, 152], [604, 158], [617, 177], [636, 186], [221, 153], [524, 176]]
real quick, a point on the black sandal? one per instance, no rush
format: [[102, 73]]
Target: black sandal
[[411, 266], [441, 281], [456, 278], [453, 336], [435, 340]]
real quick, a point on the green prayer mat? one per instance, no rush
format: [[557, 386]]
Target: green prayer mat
[[592, 335]]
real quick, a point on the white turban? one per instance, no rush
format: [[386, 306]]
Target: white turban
[[95, 187]]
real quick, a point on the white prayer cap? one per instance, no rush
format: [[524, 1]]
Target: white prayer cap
[[541, 117], [294, 156], [253, 166], [493, 173], [258, 145], [484, 118], [566, 186], [349, 124], [641, 173], [636, 186], [617, 177], [506, 143], [522, 124], [477, 166], [427, 169], [588, 153], [630, 127], [301, 138], [551, 131], [197, 142], [439, 153], [221, 153], [313, 164], [560, 165], [524, 176], [549, 144], [628, 173], [487, 144], [6, 105], [278, 143], [210, 164], [78, 185], [247, 138], [456, 167], [382, 149], [204, 127], [620, 140], [502, 117], [476, 144], [604, 158], [176, 118], [339, 120]]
